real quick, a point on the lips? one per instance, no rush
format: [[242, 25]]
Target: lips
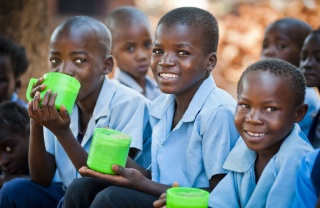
[[168, 75], [254, 134]]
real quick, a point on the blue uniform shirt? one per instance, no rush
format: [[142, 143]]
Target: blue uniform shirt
[[313, 100], [276, 185], [197, 147], [307, 196]]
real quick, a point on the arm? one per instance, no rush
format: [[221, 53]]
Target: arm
[[41, 164], [128, 177], [58, 123]]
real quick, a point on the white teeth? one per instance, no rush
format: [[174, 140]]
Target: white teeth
[[255, 134], [167, 75]]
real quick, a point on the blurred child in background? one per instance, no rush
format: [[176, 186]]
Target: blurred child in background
[[308, 177], [14, 141], [13, 63], [131, 49], [283, 39]]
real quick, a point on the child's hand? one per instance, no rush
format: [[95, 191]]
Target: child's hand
[[37, 87], [127, 177], [161, 202], [48, 115]]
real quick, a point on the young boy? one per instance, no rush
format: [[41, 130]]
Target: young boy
[[283, 39], [310, 66], [13, 63], [263, 164], [131, 48], [14, 141], [192, 122], [308, 180], [79, 47]]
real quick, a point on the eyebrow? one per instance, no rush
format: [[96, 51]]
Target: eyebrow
[[72, 53], [181, 45]]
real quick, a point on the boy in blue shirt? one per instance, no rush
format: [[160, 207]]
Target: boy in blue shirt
[[79, 47], [283, 39], [132, 49], [13, 64], [308, 177], [192, 122], [263, 164], [310, 66]]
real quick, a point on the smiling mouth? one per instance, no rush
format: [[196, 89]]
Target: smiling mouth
[[168, 75], [253, 134]]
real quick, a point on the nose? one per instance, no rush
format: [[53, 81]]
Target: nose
[[306, 64], [268, 52], [253, 116], [166, 60], [142, 54], [4, 160], [66, 68]]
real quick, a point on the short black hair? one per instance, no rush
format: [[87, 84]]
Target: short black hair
[[16, 53], [14, 117], [284, 70], [125, 15], [195, 18], [301, 29], [86, 22]]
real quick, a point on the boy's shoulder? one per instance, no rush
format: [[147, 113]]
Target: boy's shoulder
[[294, 147]]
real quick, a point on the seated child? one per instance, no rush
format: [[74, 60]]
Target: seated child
[[79, 47], [263, 164], [131, 49], [310, 66], [14, 141], [283, 39], [13, 63], [193, 129], [308, 181]]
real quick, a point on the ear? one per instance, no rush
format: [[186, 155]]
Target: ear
[[211, 61], [301, 112], [17, 85], [108, 65]]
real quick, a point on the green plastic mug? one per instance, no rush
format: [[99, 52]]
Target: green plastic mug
[[66, 87], [108, 147], [184, 197]]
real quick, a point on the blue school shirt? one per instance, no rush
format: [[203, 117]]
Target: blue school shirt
[[307, 195], [196, 148], [15, 98], [117, 107], [152, 88], [313, 100], [276, 186]]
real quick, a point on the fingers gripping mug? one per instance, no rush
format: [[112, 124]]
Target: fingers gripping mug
[[66, 87]]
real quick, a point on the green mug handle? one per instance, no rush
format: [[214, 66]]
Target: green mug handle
[[30, 85]]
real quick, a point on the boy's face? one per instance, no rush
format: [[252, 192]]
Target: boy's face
[[131, 49], [7, 79], [178, 62], [266, 111], [310, 60], [13, 152], [278, 43], [77, 52]]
